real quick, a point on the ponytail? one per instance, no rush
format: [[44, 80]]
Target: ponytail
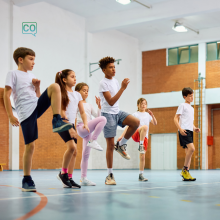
[[64, 95]]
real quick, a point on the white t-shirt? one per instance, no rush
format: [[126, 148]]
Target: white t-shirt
[[71, 109], [23, 92], [112, 86], [90, 111], [145, 119], [186, 112]]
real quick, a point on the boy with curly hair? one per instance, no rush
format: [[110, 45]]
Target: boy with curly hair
[[110, 92]]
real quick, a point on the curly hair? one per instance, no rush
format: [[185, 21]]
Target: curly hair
[[105, 61]]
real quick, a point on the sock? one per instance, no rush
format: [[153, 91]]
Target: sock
[[122, 141], [64, 170], [70, 175], [141, 171], [110, 170], [141, 142], [185, 168], [27, 177], [56, 115]]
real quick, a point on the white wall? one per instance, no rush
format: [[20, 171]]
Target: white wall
[[4, 40]]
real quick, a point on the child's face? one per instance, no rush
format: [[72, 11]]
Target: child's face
[[71, 79], [109, 70], [142, 106], [189, 98], [84, 92], [27, 62]]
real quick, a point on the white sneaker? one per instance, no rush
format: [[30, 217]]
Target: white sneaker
[[85, 182], [94, 144], [141, 149]]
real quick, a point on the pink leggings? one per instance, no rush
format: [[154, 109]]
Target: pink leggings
[[95, 125]]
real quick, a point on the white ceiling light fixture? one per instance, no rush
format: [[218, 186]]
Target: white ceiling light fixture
[[125, 2], [182, 28]]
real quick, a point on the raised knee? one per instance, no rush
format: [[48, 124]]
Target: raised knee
[[145, 127], [103, 119]]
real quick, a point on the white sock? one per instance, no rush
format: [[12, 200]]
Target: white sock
[[141, 142], [110, 170], [122, 141], [141, 171]]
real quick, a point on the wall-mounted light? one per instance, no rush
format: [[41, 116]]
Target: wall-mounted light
[[182, 28], [125, 2]]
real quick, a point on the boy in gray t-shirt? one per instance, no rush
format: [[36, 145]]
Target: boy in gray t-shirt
[[110, 92]]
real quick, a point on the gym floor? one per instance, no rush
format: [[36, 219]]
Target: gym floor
[[164, 196]]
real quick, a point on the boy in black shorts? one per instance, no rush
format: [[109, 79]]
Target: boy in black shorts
[[30, 104], [184, 122]]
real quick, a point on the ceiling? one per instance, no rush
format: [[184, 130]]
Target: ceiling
[[138, 21]]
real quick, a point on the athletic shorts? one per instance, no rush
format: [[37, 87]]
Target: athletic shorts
[[29, 125], [65, 135], [184, 140], [113, 120], [136, 138]]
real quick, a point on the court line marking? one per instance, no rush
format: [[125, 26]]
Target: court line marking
[[155, 197], [115, 191], [186, 200], [38, 208]]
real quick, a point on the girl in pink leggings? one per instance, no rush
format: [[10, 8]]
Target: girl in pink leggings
[[89, 139]]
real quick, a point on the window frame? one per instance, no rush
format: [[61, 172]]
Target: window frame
[[216, 56], [178, 56]]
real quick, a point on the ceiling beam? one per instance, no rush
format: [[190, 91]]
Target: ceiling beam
[[175, 9]]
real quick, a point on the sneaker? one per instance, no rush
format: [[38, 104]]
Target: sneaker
[[185, 175], [59, 125], [142, 178], [191, 178], [28, 185], [110, 180], [65, 180], [122, 150], [94, 144], [74, 185], [85, 182], [141, 149]]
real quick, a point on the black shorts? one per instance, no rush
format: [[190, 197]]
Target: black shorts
[[184, 140], [29, 125], [65, 135]]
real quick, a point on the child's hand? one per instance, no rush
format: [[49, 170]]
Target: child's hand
[[86, 127], [98, 102], [125, 83], [36, 82], [197, 130], [14, 121], [73, 133], [183, 132], [150, 113], [119, 139]]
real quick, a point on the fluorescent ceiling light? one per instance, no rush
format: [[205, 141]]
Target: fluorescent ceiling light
[[179, 27], [124, 2]]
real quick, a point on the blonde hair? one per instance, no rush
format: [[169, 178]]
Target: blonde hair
[[140, 100], [79, 86]]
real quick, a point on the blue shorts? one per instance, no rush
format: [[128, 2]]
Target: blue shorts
[[65, 135], [29, 125], [113, 120]]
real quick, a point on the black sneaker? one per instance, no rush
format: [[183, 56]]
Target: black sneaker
[[28, 185], [59, 125], [65, 180], [74, 185]]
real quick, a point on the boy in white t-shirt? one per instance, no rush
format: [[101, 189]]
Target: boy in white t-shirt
[[184, 122], [30, 104], [110, 92]]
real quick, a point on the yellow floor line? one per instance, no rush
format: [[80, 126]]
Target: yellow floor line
[[186, 200], [154, 197]]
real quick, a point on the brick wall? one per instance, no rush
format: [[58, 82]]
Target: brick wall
[[49, 147], [4, 133], [165, 118], [213, 74], [157, 77], [214, 150]]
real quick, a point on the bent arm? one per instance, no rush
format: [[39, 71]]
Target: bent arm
[[112, 100], [7, 101]]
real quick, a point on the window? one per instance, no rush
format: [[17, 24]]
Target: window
[[182, 55], [213, 51]]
